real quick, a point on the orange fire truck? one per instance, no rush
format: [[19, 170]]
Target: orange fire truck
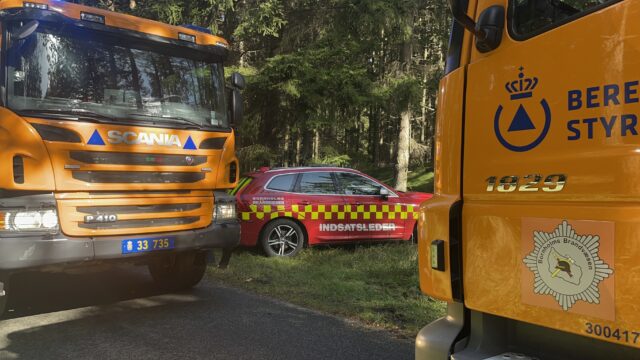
[[116, 143], [531, 234]]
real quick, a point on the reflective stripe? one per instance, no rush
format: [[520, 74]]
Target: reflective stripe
[[331, 212]]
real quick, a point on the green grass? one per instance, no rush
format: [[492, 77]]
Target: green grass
[[374, 284], [419, 179]]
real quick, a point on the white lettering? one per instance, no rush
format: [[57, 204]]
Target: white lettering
[[132, 138], [375, 227]]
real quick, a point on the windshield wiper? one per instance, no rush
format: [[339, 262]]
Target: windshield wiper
[[195, 125], [77, 113]]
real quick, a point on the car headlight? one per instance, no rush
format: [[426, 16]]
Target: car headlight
[[29, 220], [225, 211]]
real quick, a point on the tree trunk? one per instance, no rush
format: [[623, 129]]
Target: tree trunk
[[404, 133], [316, 145], [287, 139], [298, 147]]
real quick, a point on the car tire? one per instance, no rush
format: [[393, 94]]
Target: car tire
[[179, 271], [4, 294], [283, 238]]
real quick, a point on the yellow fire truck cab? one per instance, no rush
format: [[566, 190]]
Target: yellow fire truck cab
[[532, 235], [116, 142]]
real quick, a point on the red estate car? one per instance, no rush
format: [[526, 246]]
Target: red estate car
[[285, 209]]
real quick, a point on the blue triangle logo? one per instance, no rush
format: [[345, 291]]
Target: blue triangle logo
[[521, 121], [95, 139], [190, 145]]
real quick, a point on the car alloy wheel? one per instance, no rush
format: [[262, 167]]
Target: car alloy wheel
[[283, 240]]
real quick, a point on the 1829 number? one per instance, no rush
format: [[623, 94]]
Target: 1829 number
[[529, 183]]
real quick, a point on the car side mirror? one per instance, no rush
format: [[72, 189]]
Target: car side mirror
[[384, 193], [237, 108]]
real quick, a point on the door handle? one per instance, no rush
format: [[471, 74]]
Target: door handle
[[304, 202]]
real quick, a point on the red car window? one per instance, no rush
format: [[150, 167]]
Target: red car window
[[282, 182], [317, 183], [354, 184]]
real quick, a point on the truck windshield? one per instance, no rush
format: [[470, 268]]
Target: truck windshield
[[69, 70]]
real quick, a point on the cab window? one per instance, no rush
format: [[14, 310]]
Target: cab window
[[317, 183], [532, 17], [282, 182], [354, 184]]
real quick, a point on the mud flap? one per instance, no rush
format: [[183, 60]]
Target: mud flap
[[226, 257]]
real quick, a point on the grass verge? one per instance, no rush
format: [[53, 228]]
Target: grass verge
[[374, 284]]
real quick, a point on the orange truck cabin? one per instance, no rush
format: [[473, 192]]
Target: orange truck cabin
[[531, 236], [117, 142]]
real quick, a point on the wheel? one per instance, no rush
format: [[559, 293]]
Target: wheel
[[4, 280], [282, 237], [179, 271]]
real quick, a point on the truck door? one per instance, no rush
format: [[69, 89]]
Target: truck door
[[551, 144]]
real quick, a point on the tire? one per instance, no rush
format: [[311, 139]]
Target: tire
[[282, 238], [179, 271], [3, 299]]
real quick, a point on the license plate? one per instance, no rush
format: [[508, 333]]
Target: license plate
[[132, 246]]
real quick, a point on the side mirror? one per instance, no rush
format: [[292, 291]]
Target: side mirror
[[384, 193], [237, 108], [24, 31], [237, 80], [491, 23], [460, 15]]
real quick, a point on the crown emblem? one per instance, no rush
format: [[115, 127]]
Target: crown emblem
[[522, 87]]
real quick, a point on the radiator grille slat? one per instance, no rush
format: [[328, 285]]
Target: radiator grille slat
[[147, 177], [146, 223], [137, 209], [116, 158]]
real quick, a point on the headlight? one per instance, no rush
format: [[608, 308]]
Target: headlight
[[225, 211], [32, 220]]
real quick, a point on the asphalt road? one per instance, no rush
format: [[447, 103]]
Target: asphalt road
[[118, 314]]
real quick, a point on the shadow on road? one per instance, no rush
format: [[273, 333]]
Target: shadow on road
[[35, 293], [118, 314]]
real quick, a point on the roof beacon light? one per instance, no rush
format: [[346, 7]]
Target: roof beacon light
[[187, 37], [33, 5], [92, 17]]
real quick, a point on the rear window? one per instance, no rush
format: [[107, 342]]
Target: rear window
[[531, 17], [317, 183], [282, 182]]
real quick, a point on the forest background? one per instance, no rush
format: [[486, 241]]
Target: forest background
[[342, 82]]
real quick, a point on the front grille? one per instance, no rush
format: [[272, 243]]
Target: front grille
[[146, 223], [126, 177], [137, 209], [150, 192], [114, 158]]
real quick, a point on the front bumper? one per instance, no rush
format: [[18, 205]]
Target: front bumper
[[25, 252]]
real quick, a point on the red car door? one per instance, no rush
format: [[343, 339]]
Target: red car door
[[372, 215], [320, 207]]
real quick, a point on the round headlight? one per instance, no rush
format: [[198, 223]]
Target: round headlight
[[49, 219]]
